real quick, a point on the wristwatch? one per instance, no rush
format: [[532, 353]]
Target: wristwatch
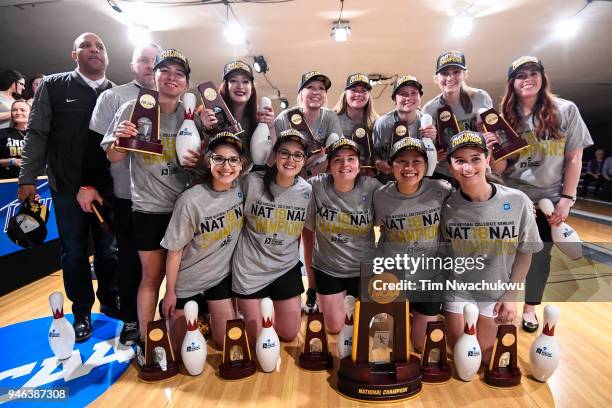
[[573, 198]]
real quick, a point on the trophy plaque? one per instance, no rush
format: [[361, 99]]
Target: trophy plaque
[[434, 364], [237, 359], [363, 138], [145, 115], [447, 126], [102, 216], [212, 100], [298, 122], [510, 142], [316, 355], [400, 131], [503, 370], [159, 363], [399, 376]]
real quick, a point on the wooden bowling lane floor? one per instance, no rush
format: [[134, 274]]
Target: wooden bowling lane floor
[[582, 378]]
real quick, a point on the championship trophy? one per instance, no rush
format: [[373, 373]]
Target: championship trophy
[[363, 138], [510, 142], [400, 131], [145, 115], [434, 364], [212, 100], [447, 126], [159, 363], [237, 359], [503, 370], [367, 374], [298, 122], [316, 355]]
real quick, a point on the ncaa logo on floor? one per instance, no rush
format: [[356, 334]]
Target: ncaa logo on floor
[[93, 367]]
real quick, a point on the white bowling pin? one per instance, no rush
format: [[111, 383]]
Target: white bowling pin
[[430, 147], [61, 332], [188, 137], [261, 144], [193, 349], [467, 354], [564, 236], [544, 353], [345, 337], [267, 346]]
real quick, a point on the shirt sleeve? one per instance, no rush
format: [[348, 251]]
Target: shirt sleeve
[[39, 126], [576, 131], [122, 114], [182, 225]]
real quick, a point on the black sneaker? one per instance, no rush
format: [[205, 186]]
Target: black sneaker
[[130, 333], [311, 305]]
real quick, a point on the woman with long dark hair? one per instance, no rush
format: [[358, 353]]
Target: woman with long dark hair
[[549, 168]]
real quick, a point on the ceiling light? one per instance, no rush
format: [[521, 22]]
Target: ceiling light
[[139, 35], [234, 33], [567, 28], [260, 65], [340, 30], [462, 26]]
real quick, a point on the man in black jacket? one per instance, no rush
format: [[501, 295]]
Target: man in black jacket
[[57, 137]]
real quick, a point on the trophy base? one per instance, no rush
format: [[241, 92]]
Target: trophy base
[[435, 374], [140, 146], [397, 381], [502, 379], [315, 361], [154, 374], [233, 372], [509, 149]]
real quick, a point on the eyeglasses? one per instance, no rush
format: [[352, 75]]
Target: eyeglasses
[[285, 154], [220, 160]]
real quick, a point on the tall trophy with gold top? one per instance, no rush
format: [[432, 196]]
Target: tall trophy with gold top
[[363, 137], [380, 367], [145, 115], [212, 100], [447, 126]]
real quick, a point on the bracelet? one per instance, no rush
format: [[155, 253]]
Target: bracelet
[[573, 198], [11, 162]]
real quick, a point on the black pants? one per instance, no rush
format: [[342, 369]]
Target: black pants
[[540, 264], [129, 270]]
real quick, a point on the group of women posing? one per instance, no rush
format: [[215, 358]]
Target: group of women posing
[[236, 234]]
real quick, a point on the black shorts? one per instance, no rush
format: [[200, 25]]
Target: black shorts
[[330, 285], [427, 308], [149, 229], [284, 287], [222, 290]]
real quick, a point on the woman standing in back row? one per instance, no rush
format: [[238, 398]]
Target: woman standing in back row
[[549, 168], [465, 101]]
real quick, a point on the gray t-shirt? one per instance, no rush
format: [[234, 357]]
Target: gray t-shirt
[[327, 123], [538, 171], [343, 224], [5, 106], [493, 230], [383, 131], [465, 120], [205, 224], [107, 105], [155, 181], [268, 246]]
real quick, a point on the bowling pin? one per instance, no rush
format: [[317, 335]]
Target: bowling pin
[[261, 144], [430, 148], [193, 349], [467, 354], [188, 137], [544, 353], [564, 236], [267, 346], [61, 332], [345, 337]]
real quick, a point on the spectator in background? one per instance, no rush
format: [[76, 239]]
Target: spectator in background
[[12, 84], [12, 140], [606, 173], [33, 84], [593, 173]]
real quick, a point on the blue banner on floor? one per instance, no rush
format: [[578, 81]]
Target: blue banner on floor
[[29, 368]]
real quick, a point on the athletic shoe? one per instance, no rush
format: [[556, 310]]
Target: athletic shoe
[[311, 305], [130, 333]]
